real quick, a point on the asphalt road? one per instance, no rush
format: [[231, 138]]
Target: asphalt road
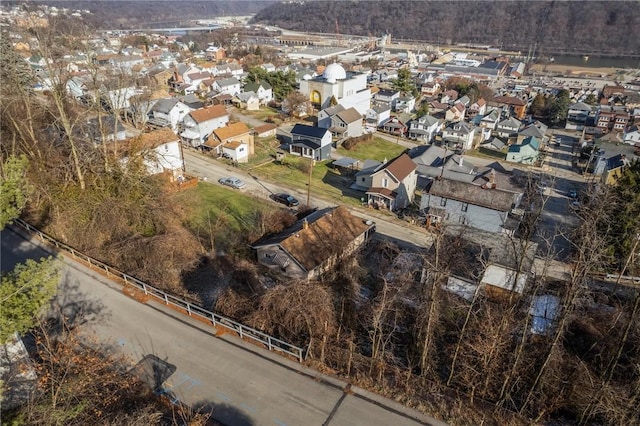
[[211, 170], [240, 383]]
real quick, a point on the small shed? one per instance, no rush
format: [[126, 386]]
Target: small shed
[[346, 165]]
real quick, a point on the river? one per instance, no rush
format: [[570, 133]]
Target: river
[[597, 62]]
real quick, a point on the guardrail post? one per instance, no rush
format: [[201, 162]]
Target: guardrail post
[[144, 288], [166, 299], [89, 260], [213, 320], [240, 331], [189, 308], [269, 342]]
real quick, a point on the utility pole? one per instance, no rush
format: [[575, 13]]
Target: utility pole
[[626, 264], [309, 182]]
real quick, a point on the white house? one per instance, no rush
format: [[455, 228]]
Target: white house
[[236, 151], [199, 124], [377, 115], [460, 134], [160, 150], [229, 85], [262, 89], [424, 128], [632, 136], [168, 113]]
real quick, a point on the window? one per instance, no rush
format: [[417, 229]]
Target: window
[[465, 207], [443, 202], [462, 220], [385, 182]]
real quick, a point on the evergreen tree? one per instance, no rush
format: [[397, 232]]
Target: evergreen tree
[[404, 83], [23, 294]]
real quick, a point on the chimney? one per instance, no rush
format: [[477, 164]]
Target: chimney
[[305, 224], [492, 179]]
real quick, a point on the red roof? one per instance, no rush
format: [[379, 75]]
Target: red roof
[[400, 167]]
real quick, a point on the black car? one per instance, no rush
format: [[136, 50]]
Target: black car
[[286, 199]]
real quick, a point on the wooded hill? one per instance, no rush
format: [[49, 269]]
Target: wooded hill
[[595, 28], [114, 14]]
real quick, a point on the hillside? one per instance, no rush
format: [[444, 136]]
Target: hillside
[[114, 14], [595, 28]]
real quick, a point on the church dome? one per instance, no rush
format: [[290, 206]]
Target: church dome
[[334, 72]]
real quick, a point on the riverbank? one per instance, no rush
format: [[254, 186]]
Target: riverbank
[[572, 70]]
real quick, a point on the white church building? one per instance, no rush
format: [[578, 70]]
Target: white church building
[[337, 86]]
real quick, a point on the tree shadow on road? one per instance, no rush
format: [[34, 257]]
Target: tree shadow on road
[[223, 414]]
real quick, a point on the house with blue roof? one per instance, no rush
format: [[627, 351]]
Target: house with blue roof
[[526, 152], [310, 142]]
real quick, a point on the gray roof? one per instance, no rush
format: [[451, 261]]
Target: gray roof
[[381, 107], [464, 128], [246, 96], [536, 130], [345, 162], [303, 130], [165, 105], [428, 120], [228, 82], [510, 122], [333, 110], [494, 199], [350, 115], [581, 106], [495, 143]]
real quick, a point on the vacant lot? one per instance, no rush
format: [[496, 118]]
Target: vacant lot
[[293, 172], [375, 149], [211, 206]]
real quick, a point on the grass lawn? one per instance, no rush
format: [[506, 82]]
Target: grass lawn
[[487, 153], [210, 201], [324, 180], [375, 149], [262, 114]]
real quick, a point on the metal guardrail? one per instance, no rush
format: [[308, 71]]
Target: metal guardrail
[[271, 343]]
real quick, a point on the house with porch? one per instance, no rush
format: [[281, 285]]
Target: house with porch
[[395, 126], [325, 115], [377, 115], [459, 135], [508, 128], [314, 243], [482, 207], [424, 129], [310, 142], [347, 124], [199, 124], [392, 184], [167, 112]]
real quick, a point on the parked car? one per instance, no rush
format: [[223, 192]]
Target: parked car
[[286, 199], [233, 182]]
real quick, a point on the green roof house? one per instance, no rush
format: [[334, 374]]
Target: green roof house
[[525, 153]]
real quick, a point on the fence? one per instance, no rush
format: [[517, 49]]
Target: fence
[[269, 342]]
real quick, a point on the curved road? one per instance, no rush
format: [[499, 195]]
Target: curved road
[[242, 384]]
